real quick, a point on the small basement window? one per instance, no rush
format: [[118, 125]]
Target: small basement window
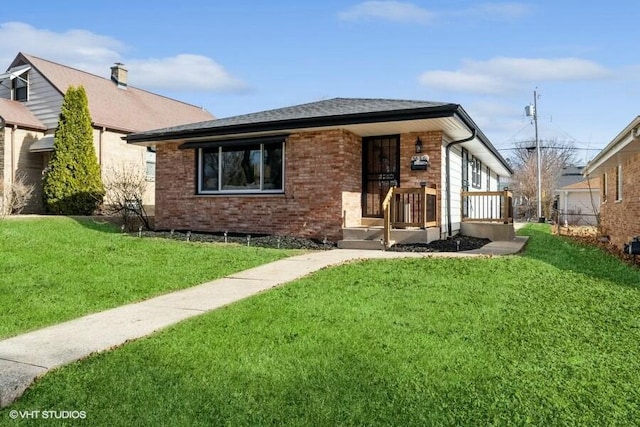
[[247, 168]]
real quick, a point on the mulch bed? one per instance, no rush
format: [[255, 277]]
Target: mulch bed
[[453, 244]]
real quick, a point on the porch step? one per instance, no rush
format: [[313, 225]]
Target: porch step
[[362, 233], [371, 222], [370, 245], [370, 237]]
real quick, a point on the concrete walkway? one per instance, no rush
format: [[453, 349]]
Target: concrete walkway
[[25, 357]]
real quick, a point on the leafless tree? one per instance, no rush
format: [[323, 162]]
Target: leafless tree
[[14, 199], [555, 155], [125, 186]]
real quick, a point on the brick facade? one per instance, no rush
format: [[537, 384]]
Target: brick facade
[[323, 184], [431, 146], [323, 181], [620, 219], [321, 169]]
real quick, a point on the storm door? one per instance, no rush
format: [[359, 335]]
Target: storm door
[[380, 171]]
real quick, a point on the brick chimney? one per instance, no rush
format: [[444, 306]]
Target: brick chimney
[[119, 75]]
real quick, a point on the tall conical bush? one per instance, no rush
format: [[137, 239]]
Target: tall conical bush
[[72, 184]]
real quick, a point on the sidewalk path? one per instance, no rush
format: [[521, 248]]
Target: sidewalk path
[[25, 357]]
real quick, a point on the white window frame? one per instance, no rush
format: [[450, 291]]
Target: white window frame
[[24, 77], [150, 165], [476, 172], [261, 190]]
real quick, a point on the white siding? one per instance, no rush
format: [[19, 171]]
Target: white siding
[[576, 207], [455, 159], [482, 207]]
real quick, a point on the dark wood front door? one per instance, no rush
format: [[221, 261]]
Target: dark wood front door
[[380, 171]]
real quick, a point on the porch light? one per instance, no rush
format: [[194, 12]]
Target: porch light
[[418, 145]]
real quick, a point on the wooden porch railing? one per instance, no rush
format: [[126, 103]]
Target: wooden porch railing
[[409, 207], [487, 206]]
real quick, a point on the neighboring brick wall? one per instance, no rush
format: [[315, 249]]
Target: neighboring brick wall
[[116, 154], [321, 169], [28, 165], [3, 182], [621, 219]]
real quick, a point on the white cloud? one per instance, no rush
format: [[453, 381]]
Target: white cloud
[[406, 12], [501, 11], [77, 48], [96, 54], [502, 75], [183, 72], [388, 11]]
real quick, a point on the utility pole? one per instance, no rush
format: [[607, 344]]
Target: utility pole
[[538, 157], [532, 111]]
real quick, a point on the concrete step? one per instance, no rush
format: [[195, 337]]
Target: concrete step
[[371, 222], [372, 245], [415, 235], [362, 233]]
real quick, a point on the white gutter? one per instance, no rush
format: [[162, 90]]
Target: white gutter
[[628, 135]]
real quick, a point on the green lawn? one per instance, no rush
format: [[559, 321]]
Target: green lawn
[[551, 337], [56, 269]]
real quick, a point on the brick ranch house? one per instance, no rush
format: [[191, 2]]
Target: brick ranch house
[[318, 169], [618, 168], [31, 94]]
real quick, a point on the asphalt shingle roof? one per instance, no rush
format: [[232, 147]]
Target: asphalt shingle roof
[[130, 110], [327, 109], [593, 184], [15, 113]]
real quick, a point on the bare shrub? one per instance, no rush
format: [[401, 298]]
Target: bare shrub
[[125, 186], [15, 198]]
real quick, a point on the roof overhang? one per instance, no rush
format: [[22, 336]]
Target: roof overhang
[[451, 119], [15, 72], [624, 145], [43, 145]]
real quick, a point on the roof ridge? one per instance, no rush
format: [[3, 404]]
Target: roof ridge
[[28, 57]]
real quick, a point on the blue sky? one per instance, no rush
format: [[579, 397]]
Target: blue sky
[[245, 56]]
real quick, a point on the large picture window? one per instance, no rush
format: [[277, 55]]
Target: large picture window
[[252, 168]]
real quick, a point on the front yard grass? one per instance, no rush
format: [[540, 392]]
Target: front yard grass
[[56, 269], [550, 337]]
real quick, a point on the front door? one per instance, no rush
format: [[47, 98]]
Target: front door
[[380, 171]]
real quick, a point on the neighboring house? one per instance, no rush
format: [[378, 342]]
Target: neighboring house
[[579, 203], [570, 175], [316, 169], [618, 168], [31, 94]]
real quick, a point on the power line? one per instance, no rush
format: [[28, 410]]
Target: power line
[[550, 147]]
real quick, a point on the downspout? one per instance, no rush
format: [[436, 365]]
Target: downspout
[[100, 136], [13, 151], [448, 172]]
